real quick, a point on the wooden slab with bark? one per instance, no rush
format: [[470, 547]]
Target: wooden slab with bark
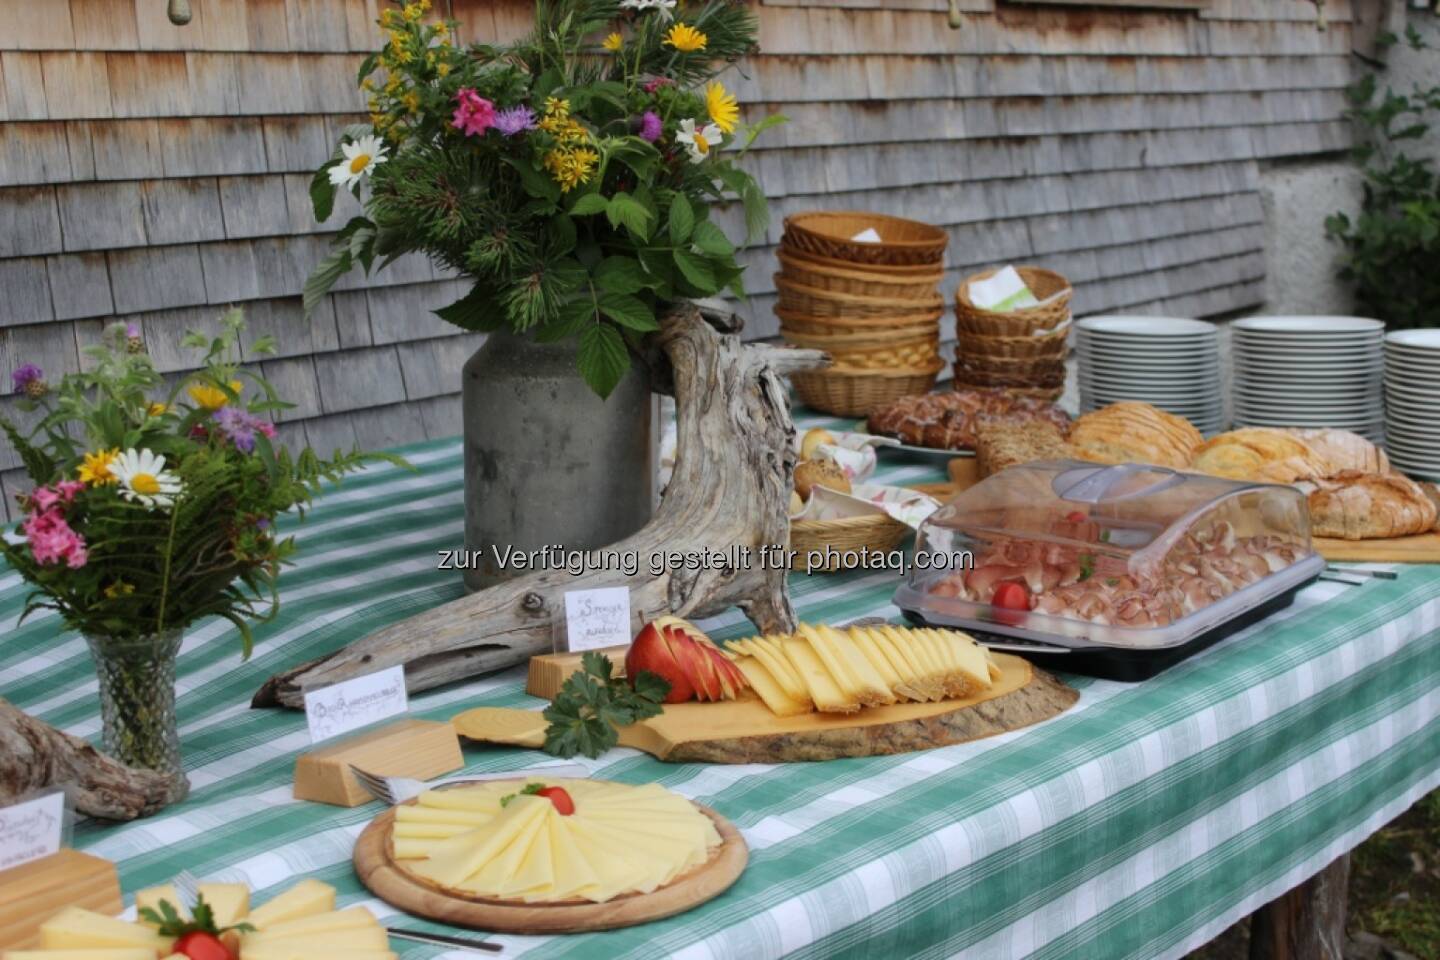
[[735, 456], [35, 755]]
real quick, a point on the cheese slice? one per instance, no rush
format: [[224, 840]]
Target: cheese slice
[[416, 849], [873, 690], [229, 902], [305, 899], [918, 682], [318, 949], [414, 813], [971, 662], [825, 693], [428, 831], [764, 683], [931, 673], [114, 953], [461, 857], [372, 937], [769, 652], [881, 664], [76, 928], [354, 918], [571, 870]]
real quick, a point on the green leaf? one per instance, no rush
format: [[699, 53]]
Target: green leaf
[[367, 67], [477, 310], [561, 234], [619, 275], [624, 210], [697, 271], [757, 212], [588, 204], [752, 133], [323, 277], [710, 239], [682, 219], [603, 358], [629, 311], [642, 158], [574, 317], [537, 183], [322, 194]]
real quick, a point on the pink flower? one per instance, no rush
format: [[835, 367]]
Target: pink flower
[[52, 540], [475, 114], [78, 556], [43, 498], [68, 489], [266, 428], [655, 83]]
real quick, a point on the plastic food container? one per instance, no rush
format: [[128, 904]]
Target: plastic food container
[[1116, 571]]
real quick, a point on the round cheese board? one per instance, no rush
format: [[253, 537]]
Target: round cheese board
[[390, 880]]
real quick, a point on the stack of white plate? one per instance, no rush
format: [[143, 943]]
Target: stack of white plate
[[1310, 372], [1412, 402], [1171, 363]]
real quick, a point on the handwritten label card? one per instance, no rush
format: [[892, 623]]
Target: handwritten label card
[[343, 707], [597, 618], [32, 829]]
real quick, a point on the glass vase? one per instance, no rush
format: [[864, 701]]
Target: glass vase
[[137, 702]]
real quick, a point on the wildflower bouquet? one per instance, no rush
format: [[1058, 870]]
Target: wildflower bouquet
[[570, 176], [151, 508]]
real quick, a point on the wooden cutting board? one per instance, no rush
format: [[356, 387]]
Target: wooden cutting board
[[377, 869], [745, 731]]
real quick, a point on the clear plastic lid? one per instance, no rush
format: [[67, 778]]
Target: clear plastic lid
[[1131, 555]]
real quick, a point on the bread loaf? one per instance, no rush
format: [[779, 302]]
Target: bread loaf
[[1001, 445], [1135, 432], [1368, 506], [1341, 450], [1260, 454]]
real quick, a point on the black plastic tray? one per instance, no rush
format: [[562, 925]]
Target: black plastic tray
[[1125, 663]]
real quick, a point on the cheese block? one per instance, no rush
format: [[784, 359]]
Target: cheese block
[[306, 898], [114, 953], [229, 902], [76, 928]]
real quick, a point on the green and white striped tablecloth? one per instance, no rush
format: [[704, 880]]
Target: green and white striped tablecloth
[[1139, 824]]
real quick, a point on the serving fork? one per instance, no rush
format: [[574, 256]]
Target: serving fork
[[397, 790]]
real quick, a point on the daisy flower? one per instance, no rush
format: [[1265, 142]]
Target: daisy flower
[[97, 468], [144, 479], [722, 106], [614, 43], [686, 38], [699, 142], [361, 157]]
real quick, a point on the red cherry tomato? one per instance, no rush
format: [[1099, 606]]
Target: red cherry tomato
[[557, 795], [1076, 516], [1011, 595], [202, 946]]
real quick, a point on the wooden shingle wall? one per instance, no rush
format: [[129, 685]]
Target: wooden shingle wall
[[157, 174]]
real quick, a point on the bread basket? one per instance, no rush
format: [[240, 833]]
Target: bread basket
[[845, 393], [797, 320], [902, 242], [843, 279], [878, 532], [976, 347], [906, 272], [818, 302], [1025, 322], [882, 353]]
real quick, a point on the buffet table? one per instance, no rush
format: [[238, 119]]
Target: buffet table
[[1140, 823]]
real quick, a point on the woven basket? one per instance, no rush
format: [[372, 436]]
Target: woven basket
[[1015, 323], [1047, 394], [795, 319], [855, 394], [845, 336], [920, 352], [858, 283], [826, 303], [1012, 366], [898, 271], [990, 378], [878, 532], [972, 346], [827, 234]]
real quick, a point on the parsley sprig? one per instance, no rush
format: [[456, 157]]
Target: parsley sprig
[[530, 790], [586, 715], [202, 920]]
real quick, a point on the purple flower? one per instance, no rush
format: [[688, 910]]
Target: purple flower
[[262, 523], [650, 126], [513, 120], [239, 426], [132, 330], [29, 379]]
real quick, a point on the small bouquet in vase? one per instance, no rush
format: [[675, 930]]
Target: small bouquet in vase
[[152, 509]]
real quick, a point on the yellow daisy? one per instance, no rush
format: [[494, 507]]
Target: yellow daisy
[[686, 38], [614, 43], [96, 468], [211, 398], [156, 409], [722, 106]]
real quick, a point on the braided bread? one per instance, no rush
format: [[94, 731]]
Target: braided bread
[[947, 420]]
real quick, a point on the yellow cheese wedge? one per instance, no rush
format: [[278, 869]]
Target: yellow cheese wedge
[[150, 898], [873, 690], [355, 938], [834, 664], [917, 682], [970, 673], [495, 876], [461, 857], [354, 918], [305, 899], [571, 869], [882, 666], [824, 692], [230, 902], [932, 675], [769, 652], [764, 683], [479, 801], [535, 872], [115, 953], [76, 928]]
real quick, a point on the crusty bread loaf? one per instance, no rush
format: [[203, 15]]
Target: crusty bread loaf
[[1134, 432], [947, 420], [1000, 445], [1341, 450], [1368, 506], [1260, 454]]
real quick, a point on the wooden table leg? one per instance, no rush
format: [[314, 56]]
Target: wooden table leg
[[1306, 923]]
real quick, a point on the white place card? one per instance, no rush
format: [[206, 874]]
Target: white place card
[[343, 707], [32, 829], [597, 618]]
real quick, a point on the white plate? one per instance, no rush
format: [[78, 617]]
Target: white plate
[[1119, 364], [1183, 381], [1152, 358], [1427, 340], [1283, 348], [1358, 425], [1308, 325], [1146, 326], [1419, 395]]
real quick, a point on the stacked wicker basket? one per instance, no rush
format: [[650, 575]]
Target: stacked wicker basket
[[874, 307], [1020, 350]]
